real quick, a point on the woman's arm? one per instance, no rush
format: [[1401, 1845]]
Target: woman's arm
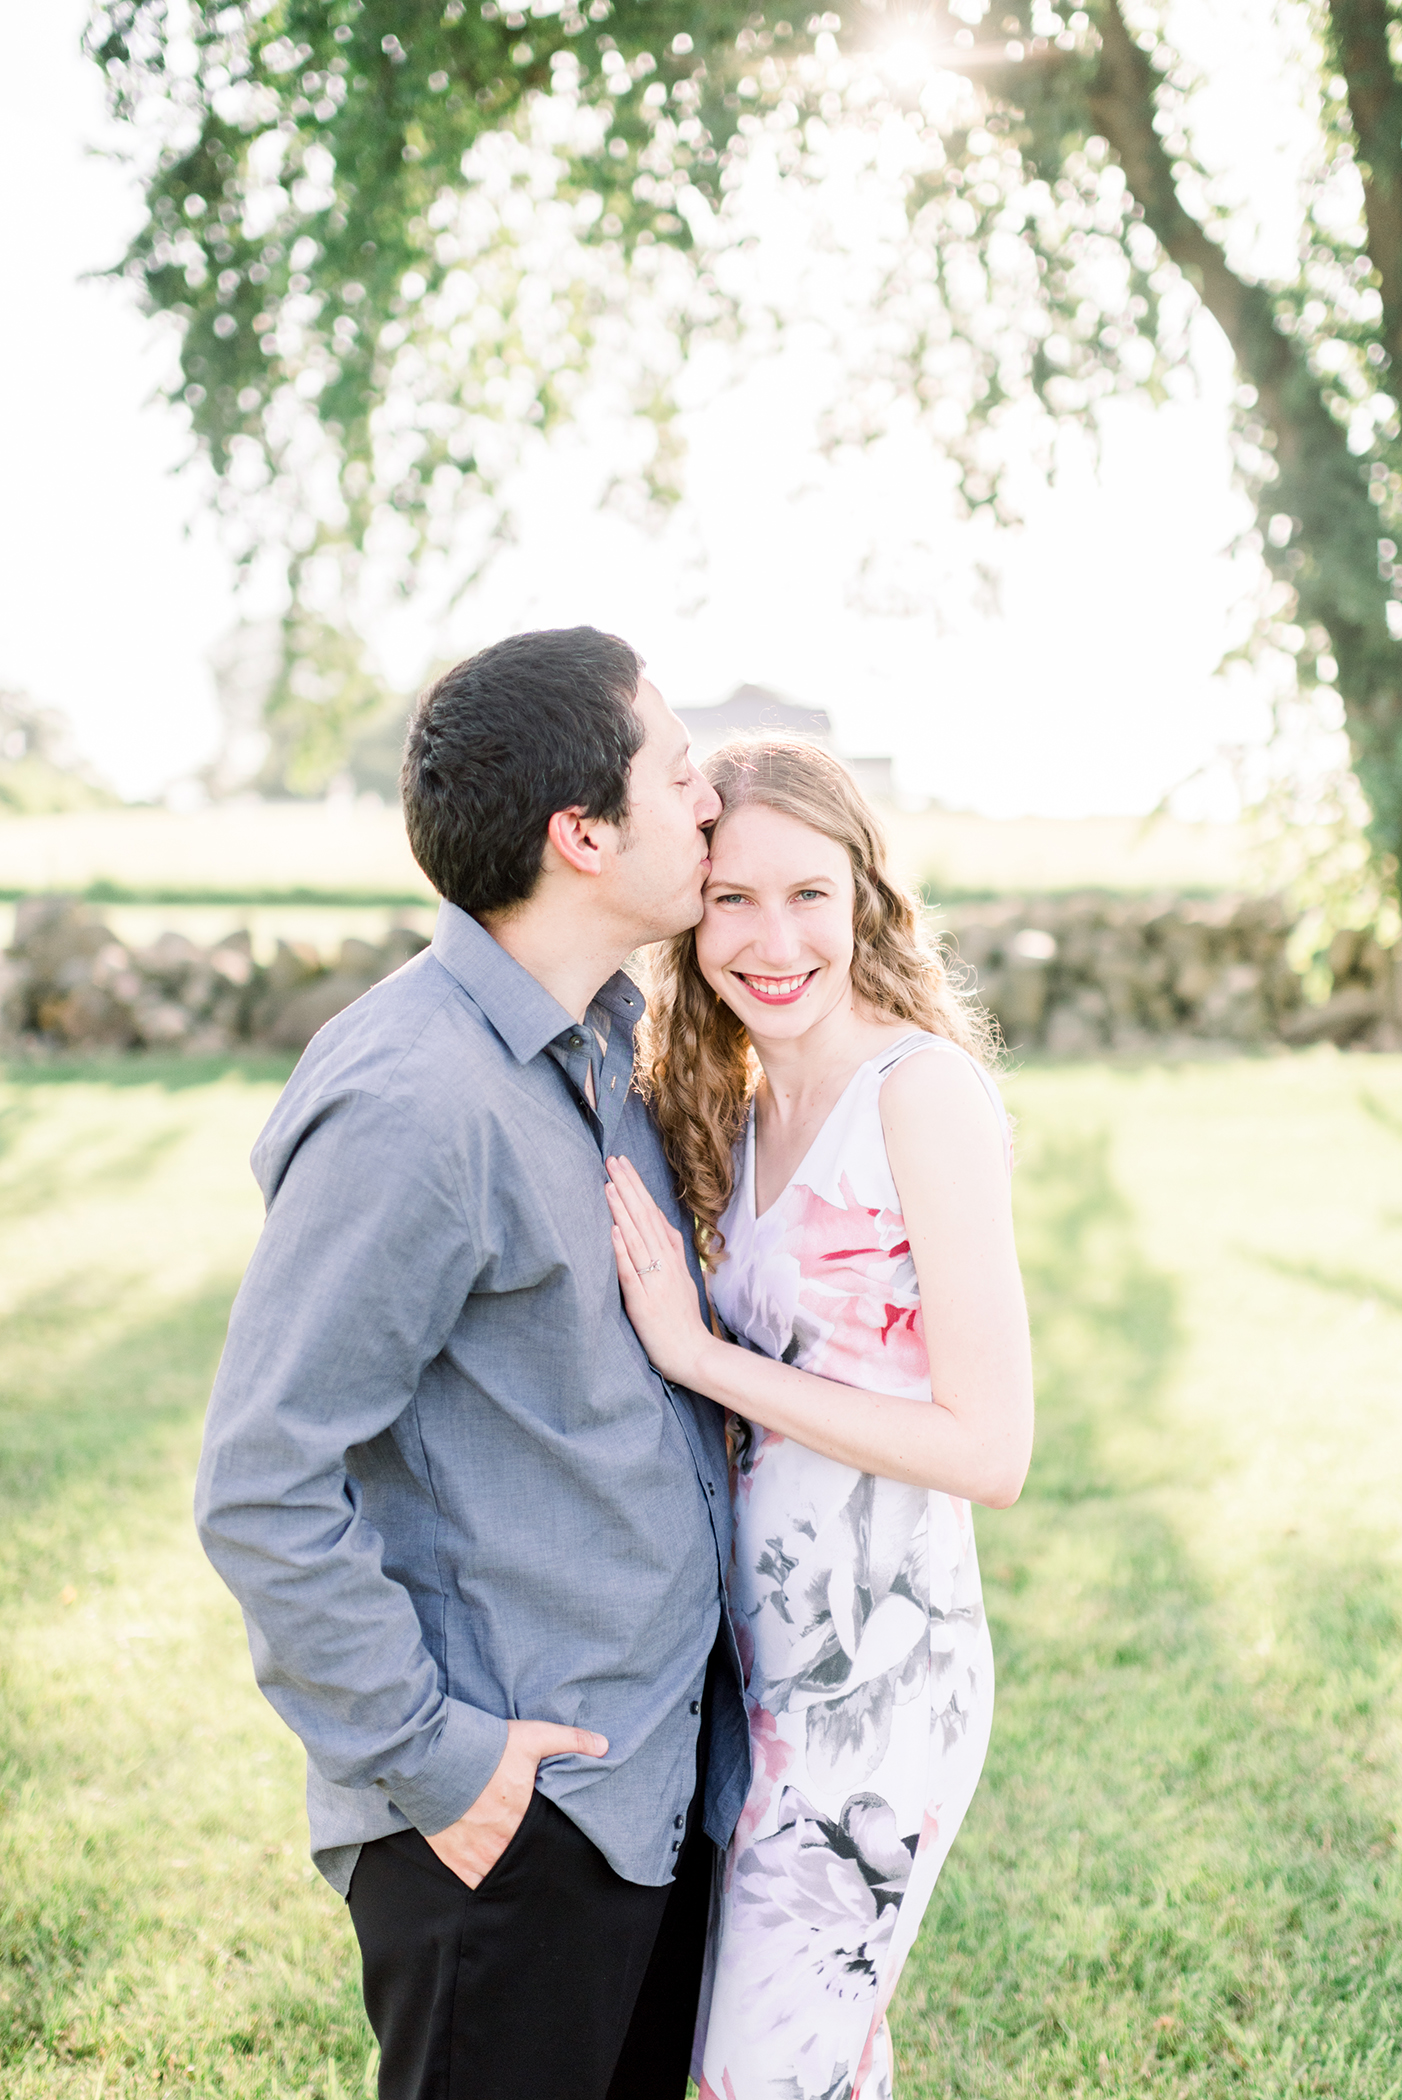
[[946, 1156]]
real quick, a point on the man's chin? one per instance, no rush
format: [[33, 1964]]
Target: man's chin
[[695, 911], [687, 912]]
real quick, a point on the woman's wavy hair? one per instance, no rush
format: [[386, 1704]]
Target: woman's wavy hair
[[696, 1062]]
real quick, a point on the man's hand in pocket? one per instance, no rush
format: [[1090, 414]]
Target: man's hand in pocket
[[472, 1846]]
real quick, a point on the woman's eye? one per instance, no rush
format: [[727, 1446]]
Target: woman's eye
[[730, 897], [810, 896]]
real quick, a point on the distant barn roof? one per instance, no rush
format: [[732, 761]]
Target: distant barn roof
[[755, 707]]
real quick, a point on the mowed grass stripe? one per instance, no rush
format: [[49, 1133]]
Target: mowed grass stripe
[[1181, 1875], [160, 1928]]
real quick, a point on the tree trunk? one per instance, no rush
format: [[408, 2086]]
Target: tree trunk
[[1333, 564]]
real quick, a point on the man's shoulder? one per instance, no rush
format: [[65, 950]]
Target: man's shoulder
[[415, 1045], [417, 1020]]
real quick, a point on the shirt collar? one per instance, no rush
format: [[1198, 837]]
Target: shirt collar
[[519, 1008]]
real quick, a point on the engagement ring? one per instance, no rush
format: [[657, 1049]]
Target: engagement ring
[[650, 1267]]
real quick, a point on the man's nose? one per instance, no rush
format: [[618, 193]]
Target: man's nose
[[708, 802]]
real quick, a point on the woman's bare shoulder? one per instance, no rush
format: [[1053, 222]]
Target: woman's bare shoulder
[[940, 1090], [935, 1068]]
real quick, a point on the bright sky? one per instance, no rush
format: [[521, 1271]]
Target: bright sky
[[1091, 688]]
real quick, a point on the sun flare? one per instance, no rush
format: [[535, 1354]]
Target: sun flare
[[910, 55]]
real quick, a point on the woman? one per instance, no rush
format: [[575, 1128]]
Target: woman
[[822, 1093]]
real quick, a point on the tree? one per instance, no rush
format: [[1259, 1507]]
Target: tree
[[40, 771], [311, 224]]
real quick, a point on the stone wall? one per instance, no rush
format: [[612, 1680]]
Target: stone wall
[[1077, 975], [1072, 975], [69, 983]]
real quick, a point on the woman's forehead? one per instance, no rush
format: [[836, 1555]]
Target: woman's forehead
[[772, 842]]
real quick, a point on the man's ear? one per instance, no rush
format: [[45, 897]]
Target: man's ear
[[578, 840]]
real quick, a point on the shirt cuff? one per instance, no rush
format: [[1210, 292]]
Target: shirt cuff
[[467, 1751]]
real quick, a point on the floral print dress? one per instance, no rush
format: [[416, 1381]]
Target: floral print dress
[[869, 1674]]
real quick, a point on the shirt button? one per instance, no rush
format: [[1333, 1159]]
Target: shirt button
[[679, 1822], [676, 1844], [710, 1487], [696, 1706]]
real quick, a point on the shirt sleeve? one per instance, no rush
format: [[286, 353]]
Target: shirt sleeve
[[359, 1277]]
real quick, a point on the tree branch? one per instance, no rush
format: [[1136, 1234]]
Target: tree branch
[[1359, 35], [1333, 566], [1121, 101]]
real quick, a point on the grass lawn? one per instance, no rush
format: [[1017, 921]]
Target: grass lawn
[[347, 852], [1181, 1875]]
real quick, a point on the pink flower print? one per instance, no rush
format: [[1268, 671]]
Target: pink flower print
[[753, 1444], [868, 1342], [745, 1642], [857, 1246], [903, 1342], [771, 1757], [878, 2037], [858, 1291], [929, 1830]]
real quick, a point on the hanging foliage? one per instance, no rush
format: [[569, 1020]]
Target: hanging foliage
[[396, 234]]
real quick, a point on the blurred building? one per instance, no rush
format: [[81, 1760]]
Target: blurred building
[[753, 709]]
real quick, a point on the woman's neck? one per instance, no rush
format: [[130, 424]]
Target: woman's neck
[[804, 1072]]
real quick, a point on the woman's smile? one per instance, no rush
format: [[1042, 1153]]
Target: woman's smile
[[775, 991]]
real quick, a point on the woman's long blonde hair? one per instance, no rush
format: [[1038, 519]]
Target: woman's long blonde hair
[[696, 1063]]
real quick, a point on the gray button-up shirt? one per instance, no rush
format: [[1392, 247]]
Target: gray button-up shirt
[[439, 1474]]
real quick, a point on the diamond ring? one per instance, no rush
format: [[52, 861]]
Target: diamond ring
[[650, 1268]]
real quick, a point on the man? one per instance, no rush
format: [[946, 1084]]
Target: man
[[478, 1542]]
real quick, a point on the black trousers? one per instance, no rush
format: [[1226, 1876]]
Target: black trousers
[[554, 1979]]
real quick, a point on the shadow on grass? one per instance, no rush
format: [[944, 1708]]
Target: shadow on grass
[[1105, 1324], [1340, 1617], [87, 1454], [1391, 1121], [116, 1964], [1144, 1899], [75, 1445], [15, 1117], [174, 1075], [72, 1171], [1344, 1282], [1380, 1112]]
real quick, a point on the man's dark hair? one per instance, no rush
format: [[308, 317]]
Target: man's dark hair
[[537, 723]]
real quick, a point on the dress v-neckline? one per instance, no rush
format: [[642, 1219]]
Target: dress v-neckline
[[752, 1136]]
